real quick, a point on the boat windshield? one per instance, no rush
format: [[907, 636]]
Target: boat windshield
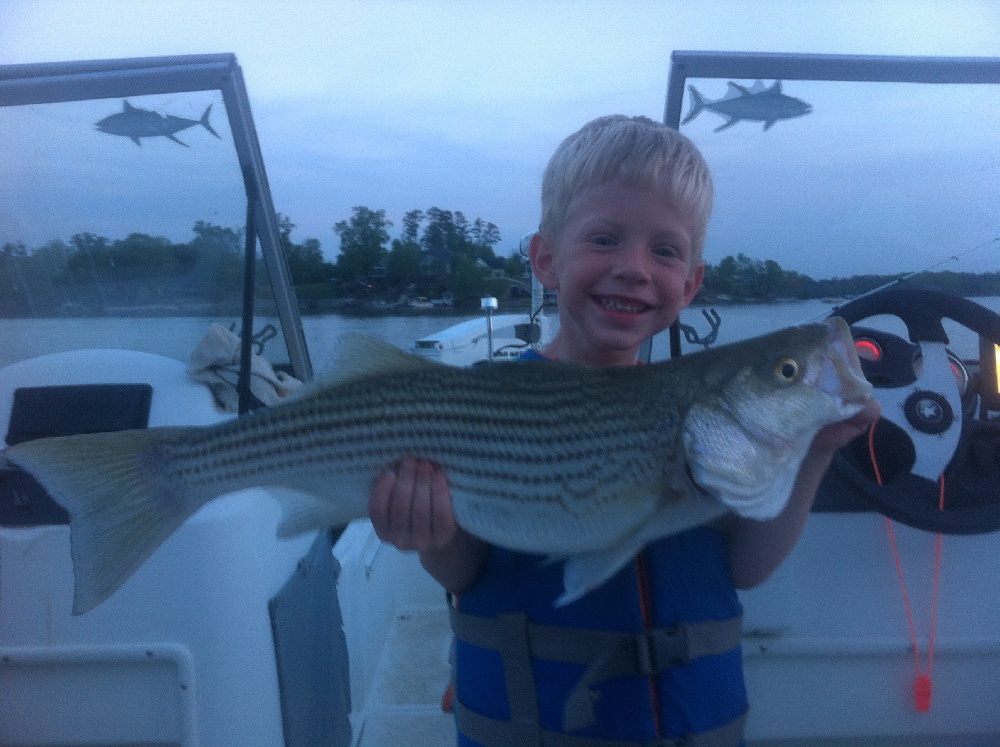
[[843, 167], [125, 195]]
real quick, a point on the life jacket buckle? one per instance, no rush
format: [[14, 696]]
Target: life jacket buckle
[[658, 650]]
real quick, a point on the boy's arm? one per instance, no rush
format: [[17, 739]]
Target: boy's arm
[[757, 548], [410, 507]]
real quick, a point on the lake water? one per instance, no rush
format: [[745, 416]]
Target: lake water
[[177, 336]]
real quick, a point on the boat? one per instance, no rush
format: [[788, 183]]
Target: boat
[[446, 301], [420, 302], [493, 338], [229, 636]]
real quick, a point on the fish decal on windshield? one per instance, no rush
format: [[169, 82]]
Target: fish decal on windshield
[[759, 103], [135, 124]]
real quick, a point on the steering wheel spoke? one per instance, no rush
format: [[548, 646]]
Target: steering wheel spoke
[[929, 411]]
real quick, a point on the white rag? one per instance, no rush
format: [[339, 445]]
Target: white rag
[[215, 361]]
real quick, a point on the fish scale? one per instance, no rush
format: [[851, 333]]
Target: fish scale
[[576, 462]]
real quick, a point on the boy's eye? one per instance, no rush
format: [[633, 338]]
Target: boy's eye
[[603, 240], [665, 250]]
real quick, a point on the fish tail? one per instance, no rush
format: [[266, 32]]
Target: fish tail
[[204, 122], [697, 104], [122, 502]]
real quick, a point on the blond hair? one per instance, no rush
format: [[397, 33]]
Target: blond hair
[[638, 151]]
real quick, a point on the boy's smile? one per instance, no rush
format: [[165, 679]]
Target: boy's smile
[[622, 265]]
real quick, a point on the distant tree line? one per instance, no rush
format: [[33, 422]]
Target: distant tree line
[[439, 254], [742, 278], [93, 274]]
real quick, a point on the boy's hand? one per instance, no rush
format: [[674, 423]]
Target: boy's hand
[[833, 437], [410, 507], [757, 548]]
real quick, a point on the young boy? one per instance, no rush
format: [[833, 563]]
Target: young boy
[[654, 653]]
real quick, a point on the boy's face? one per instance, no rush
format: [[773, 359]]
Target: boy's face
[[622, 265]]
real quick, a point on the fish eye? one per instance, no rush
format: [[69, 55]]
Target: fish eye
[[787, 369]]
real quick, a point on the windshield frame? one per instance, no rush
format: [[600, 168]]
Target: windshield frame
[[685, 64], [56, 82]]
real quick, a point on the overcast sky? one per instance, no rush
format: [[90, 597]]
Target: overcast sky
[[411, 104]]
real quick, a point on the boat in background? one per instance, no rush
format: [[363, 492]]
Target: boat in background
[[469, 343], [494, 338], [229, 636]]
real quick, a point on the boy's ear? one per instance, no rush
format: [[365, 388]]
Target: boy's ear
[[693, 282], [540, 254]]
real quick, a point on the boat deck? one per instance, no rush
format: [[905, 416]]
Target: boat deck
[[405, 701], [399, 644]]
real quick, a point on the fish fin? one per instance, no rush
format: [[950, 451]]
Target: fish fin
[[302, 512], [697, 104], [775, 87], [135, 140], [735, 91], [126, 106], [584, 573], [359, 356], [122, 502], [726, 125], [768, 123], [171, 137], [204, 122]]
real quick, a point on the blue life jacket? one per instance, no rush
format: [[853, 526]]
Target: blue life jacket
[[652, 657]]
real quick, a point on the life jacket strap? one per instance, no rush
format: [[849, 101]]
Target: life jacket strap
[[491, 732], [642, 653], [605, 654]]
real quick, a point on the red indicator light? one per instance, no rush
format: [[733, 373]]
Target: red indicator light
[[868, 350]]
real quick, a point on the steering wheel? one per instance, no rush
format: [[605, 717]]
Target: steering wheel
[[929, 411]]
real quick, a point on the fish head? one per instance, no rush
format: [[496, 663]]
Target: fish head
[[746, 435], [108, 124], [798, 107]]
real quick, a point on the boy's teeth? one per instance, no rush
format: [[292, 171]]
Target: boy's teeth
[[615, 304]]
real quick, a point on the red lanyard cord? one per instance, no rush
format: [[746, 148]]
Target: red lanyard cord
[[922, 682], [646, 609]]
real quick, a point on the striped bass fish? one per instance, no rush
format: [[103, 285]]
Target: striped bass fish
[[586, 464]]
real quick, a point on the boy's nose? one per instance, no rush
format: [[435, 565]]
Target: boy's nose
[[632, 263]]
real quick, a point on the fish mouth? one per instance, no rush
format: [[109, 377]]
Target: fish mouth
[[840, 374], [622, 304]]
